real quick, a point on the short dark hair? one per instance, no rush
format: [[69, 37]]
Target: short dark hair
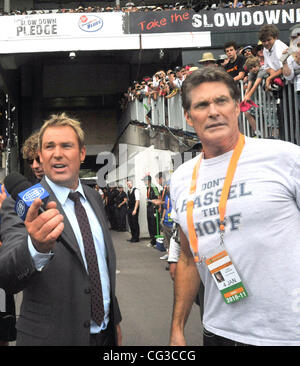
[[229, 44], [160, 175], [268, 30], [207, 74]]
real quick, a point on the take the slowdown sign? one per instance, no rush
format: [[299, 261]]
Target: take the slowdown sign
[[137, 30], [220, 20]]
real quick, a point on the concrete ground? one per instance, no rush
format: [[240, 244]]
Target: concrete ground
[[145, 294]]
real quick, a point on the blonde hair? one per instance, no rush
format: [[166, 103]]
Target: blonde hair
[[30, 147], [58, 120], [252, 62]]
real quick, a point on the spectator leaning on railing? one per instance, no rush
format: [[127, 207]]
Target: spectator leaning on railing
[[273, 48], [291, 71], [175, 83], [256, 74], [234, 66]]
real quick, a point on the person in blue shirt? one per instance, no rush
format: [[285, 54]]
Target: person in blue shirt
[[166, 221]]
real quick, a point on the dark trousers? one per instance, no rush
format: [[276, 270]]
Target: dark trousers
[[8, 320], [152, 226], [133, 222], [112, 217], [104, 338], [211, 339], [121, 217]]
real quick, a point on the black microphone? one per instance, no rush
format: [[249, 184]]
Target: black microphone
[[24, 193], [16, 183]]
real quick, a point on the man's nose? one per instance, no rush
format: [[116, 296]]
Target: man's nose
[[35, 164], [57, 152], [212, 110]]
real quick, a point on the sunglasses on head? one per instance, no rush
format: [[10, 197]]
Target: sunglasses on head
[[30, 161]]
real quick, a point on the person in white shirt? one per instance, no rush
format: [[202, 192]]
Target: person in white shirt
[[291, 71], [273, 48], [238, 209], [177, 82]]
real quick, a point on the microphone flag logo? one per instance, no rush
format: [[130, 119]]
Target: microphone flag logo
[[26, 198]]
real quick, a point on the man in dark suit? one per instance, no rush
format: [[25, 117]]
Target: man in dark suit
[[47, 255], [121, 209], [133, 211]]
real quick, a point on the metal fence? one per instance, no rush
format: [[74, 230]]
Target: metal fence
[[277, 114]]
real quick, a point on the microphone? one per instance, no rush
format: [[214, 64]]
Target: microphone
[[24, 193]]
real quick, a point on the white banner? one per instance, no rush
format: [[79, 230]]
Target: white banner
[[84, 32], [57, 32], [71, 25]]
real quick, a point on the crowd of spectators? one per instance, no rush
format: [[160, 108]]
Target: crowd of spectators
[[131, 7], [167, 83], [253, 65]]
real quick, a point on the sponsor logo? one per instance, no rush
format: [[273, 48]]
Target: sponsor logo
[[90, 23], [20, 208], [33, 194]]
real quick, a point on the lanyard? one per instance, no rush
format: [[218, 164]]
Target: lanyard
[[224, 195], [163, 194]]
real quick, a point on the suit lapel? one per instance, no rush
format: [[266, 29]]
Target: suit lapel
[[67, 236]]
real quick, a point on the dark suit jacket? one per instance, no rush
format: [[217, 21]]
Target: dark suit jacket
[[56, 307]]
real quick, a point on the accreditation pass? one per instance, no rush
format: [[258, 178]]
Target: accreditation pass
[[226, 277]]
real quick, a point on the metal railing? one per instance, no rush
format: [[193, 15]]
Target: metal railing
[[277, 114]]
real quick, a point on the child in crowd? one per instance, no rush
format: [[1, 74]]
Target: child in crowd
[[257, 73], [273, 48]]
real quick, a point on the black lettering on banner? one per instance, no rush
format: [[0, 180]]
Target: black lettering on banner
[[36, 27]]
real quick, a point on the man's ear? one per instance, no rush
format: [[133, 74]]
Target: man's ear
[[82, 153], [188, 118]]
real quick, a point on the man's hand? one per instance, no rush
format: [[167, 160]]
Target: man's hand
[[44, 229], [268, 83], [172, 270], [157, 201], [177, 339], [186, 286], [119, 335]]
